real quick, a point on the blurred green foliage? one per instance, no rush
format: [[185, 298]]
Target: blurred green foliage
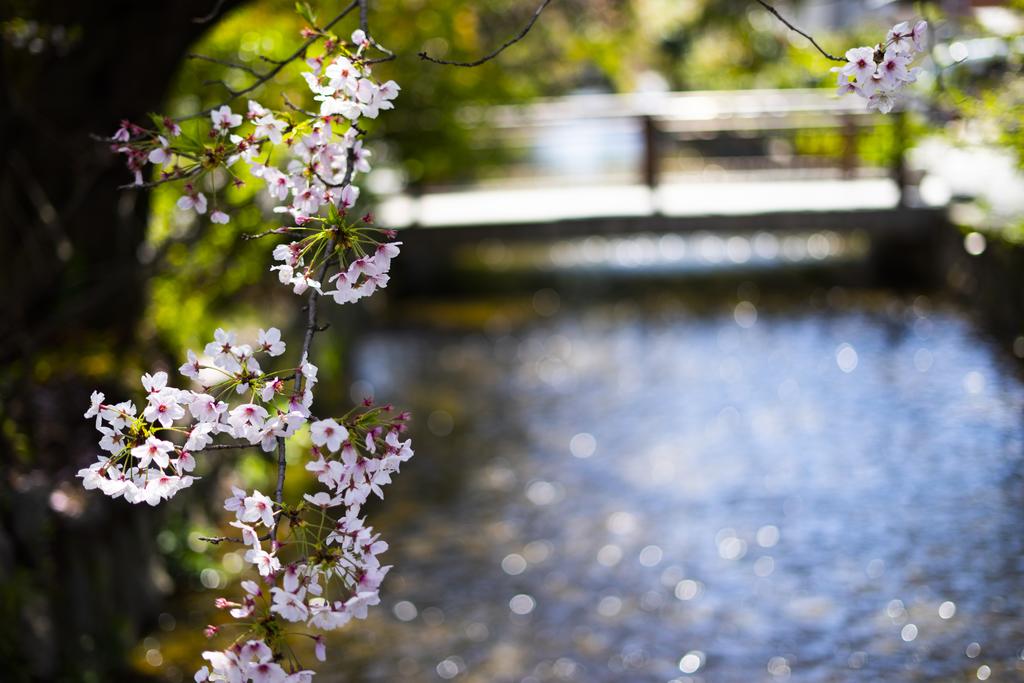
[[206, 275], [979, 101], [200, 270], [578, 44]]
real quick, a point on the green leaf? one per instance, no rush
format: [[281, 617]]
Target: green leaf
[[306, 12]]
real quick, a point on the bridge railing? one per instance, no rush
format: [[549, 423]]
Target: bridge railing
[[666, 132]]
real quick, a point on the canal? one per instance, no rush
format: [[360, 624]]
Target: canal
[[825, 485]]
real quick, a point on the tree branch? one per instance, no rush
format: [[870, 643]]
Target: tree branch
[[364, 24], [307, 343], [224, 84], [279, 65], [488, 57], [211, 16], [225, 62], [223, 447], [215, 540], [294, 107], [805, 35], [160, 181], [388, 54], [282, 465], [272, 231]]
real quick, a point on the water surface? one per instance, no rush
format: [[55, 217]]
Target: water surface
[[636, 491]]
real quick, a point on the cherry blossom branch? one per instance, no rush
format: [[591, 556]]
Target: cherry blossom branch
[[311, 326], [791, 27], [488, 57], [311, 329], [280, 64], [353, 456], [307, 344]]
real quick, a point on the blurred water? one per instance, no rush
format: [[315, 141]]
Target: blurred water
[[633, 492]]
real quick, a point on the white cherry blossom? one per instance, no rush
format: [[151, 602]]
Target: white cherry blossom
[[194, 200], [223, 119], [879, 73], [270, 341], [258, 508], [328, 433], [310, 166]]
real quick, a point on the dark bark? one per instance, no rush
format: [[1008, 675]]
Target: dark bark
[[73, 235], [76, 583]]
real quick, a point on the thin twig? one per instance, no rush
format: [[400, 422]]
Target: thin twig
[[221, 82], [225, 62], [294, 107], [211, 16], [282, 465], [160, 181], [223, 447], [307, 343], [300, 52], [388, 54], [364, 24], [327, 182], [380, 48], [215, 540], [488, 57], [391, 56], [272, 231], [805, 35]]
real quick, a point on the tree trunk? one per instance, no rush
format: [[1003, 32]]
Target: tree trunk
[[76, 583]]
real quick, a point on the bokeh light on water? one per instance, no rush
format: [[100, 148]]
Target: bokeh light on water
[[629, 493]]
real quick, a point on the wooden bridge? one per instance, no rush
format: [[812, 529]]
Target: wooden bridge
[[704, 167]]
